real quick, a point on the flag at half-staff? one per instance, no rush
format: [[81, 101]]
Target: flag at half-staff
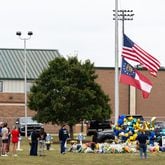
[[129, 75], [133, 52]]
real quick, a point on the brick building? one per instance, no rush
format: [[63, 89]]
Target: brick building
[[12, 87]]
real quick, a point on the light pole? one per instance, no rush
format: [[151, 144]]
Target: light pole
[[123, 15], [30, 33]]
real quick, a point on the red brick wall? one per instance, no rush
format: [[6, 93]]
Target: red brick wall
[[11, 97], [155, 104], [106, 78]]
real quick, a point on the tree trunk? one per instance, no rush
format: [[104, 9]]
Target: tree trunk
[[71, 131], [82, 126]]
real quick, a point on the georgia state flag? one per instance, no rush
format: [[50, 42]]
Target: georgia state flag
[[129, 75]]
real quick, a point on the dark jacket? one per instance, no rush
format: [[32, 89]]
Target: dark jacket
[[34, 136], [142, 138], [42, 134], [63, 134]]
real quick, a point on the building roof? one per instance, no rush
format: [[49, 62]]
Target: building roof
[[12, 62]]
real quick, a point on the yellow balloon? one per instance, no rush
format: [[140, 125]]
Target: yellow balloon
[[131, 138], [130, 118], [126, 134]]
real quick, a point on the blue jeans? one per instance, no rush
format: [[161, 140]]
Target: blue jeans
[[143, 149], [62, 146]]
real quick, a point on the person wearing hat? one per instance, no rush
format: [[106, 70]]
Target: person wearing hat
[[63, 136]]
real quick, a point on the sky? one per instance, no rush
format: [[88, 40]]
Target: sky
[[84, 28]]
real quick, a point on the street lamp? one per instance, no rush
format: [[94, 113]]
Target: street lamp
[[30, 33]]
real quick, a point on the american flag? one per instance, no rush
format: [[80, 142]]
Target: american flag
[[133, 52]]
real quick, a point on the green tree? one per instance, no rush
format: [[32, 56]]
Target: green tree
[[66, 92]]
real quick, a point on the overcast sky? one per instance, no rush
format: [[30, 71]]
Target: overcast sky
[[83, 27]]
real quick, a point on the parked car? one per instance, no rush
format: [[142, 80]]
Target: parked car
[[159, 131], [94, 126], [31, 124], [102, 136]]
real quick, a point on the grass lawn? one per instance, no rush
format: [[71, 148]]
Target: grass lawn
[[53, 157]]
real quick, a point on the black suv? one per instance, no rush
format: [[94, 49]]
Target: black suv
[[94, 126], [102, 136]]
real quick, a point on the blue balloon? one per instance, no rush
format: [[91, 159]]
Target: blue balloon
[[120, 122]]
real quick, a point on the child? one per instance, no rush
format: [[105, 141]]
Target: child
[[48, 141]]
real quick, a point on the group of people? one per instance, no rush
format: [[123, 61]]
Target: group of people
[[141, 139], [39, 140], [43, 139], [6, 136]]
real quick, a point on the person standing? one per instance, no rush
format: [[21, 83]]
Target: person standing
[[42, 139], [34, 143], [14, 139], [1, 137], [63, 136], [48, 141], [142, 139], [4, 139], [9, 138]]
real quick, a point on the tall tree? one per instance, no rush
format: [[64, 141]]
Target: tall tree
[[66, 92]]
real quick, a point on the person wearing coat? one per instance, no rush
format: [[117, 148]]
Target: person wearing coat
[[34, 143], [63, 136]]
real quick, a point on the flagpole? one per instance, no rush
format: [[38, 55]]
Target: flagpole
[[128, 15], [119, 15], [116, 64]]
